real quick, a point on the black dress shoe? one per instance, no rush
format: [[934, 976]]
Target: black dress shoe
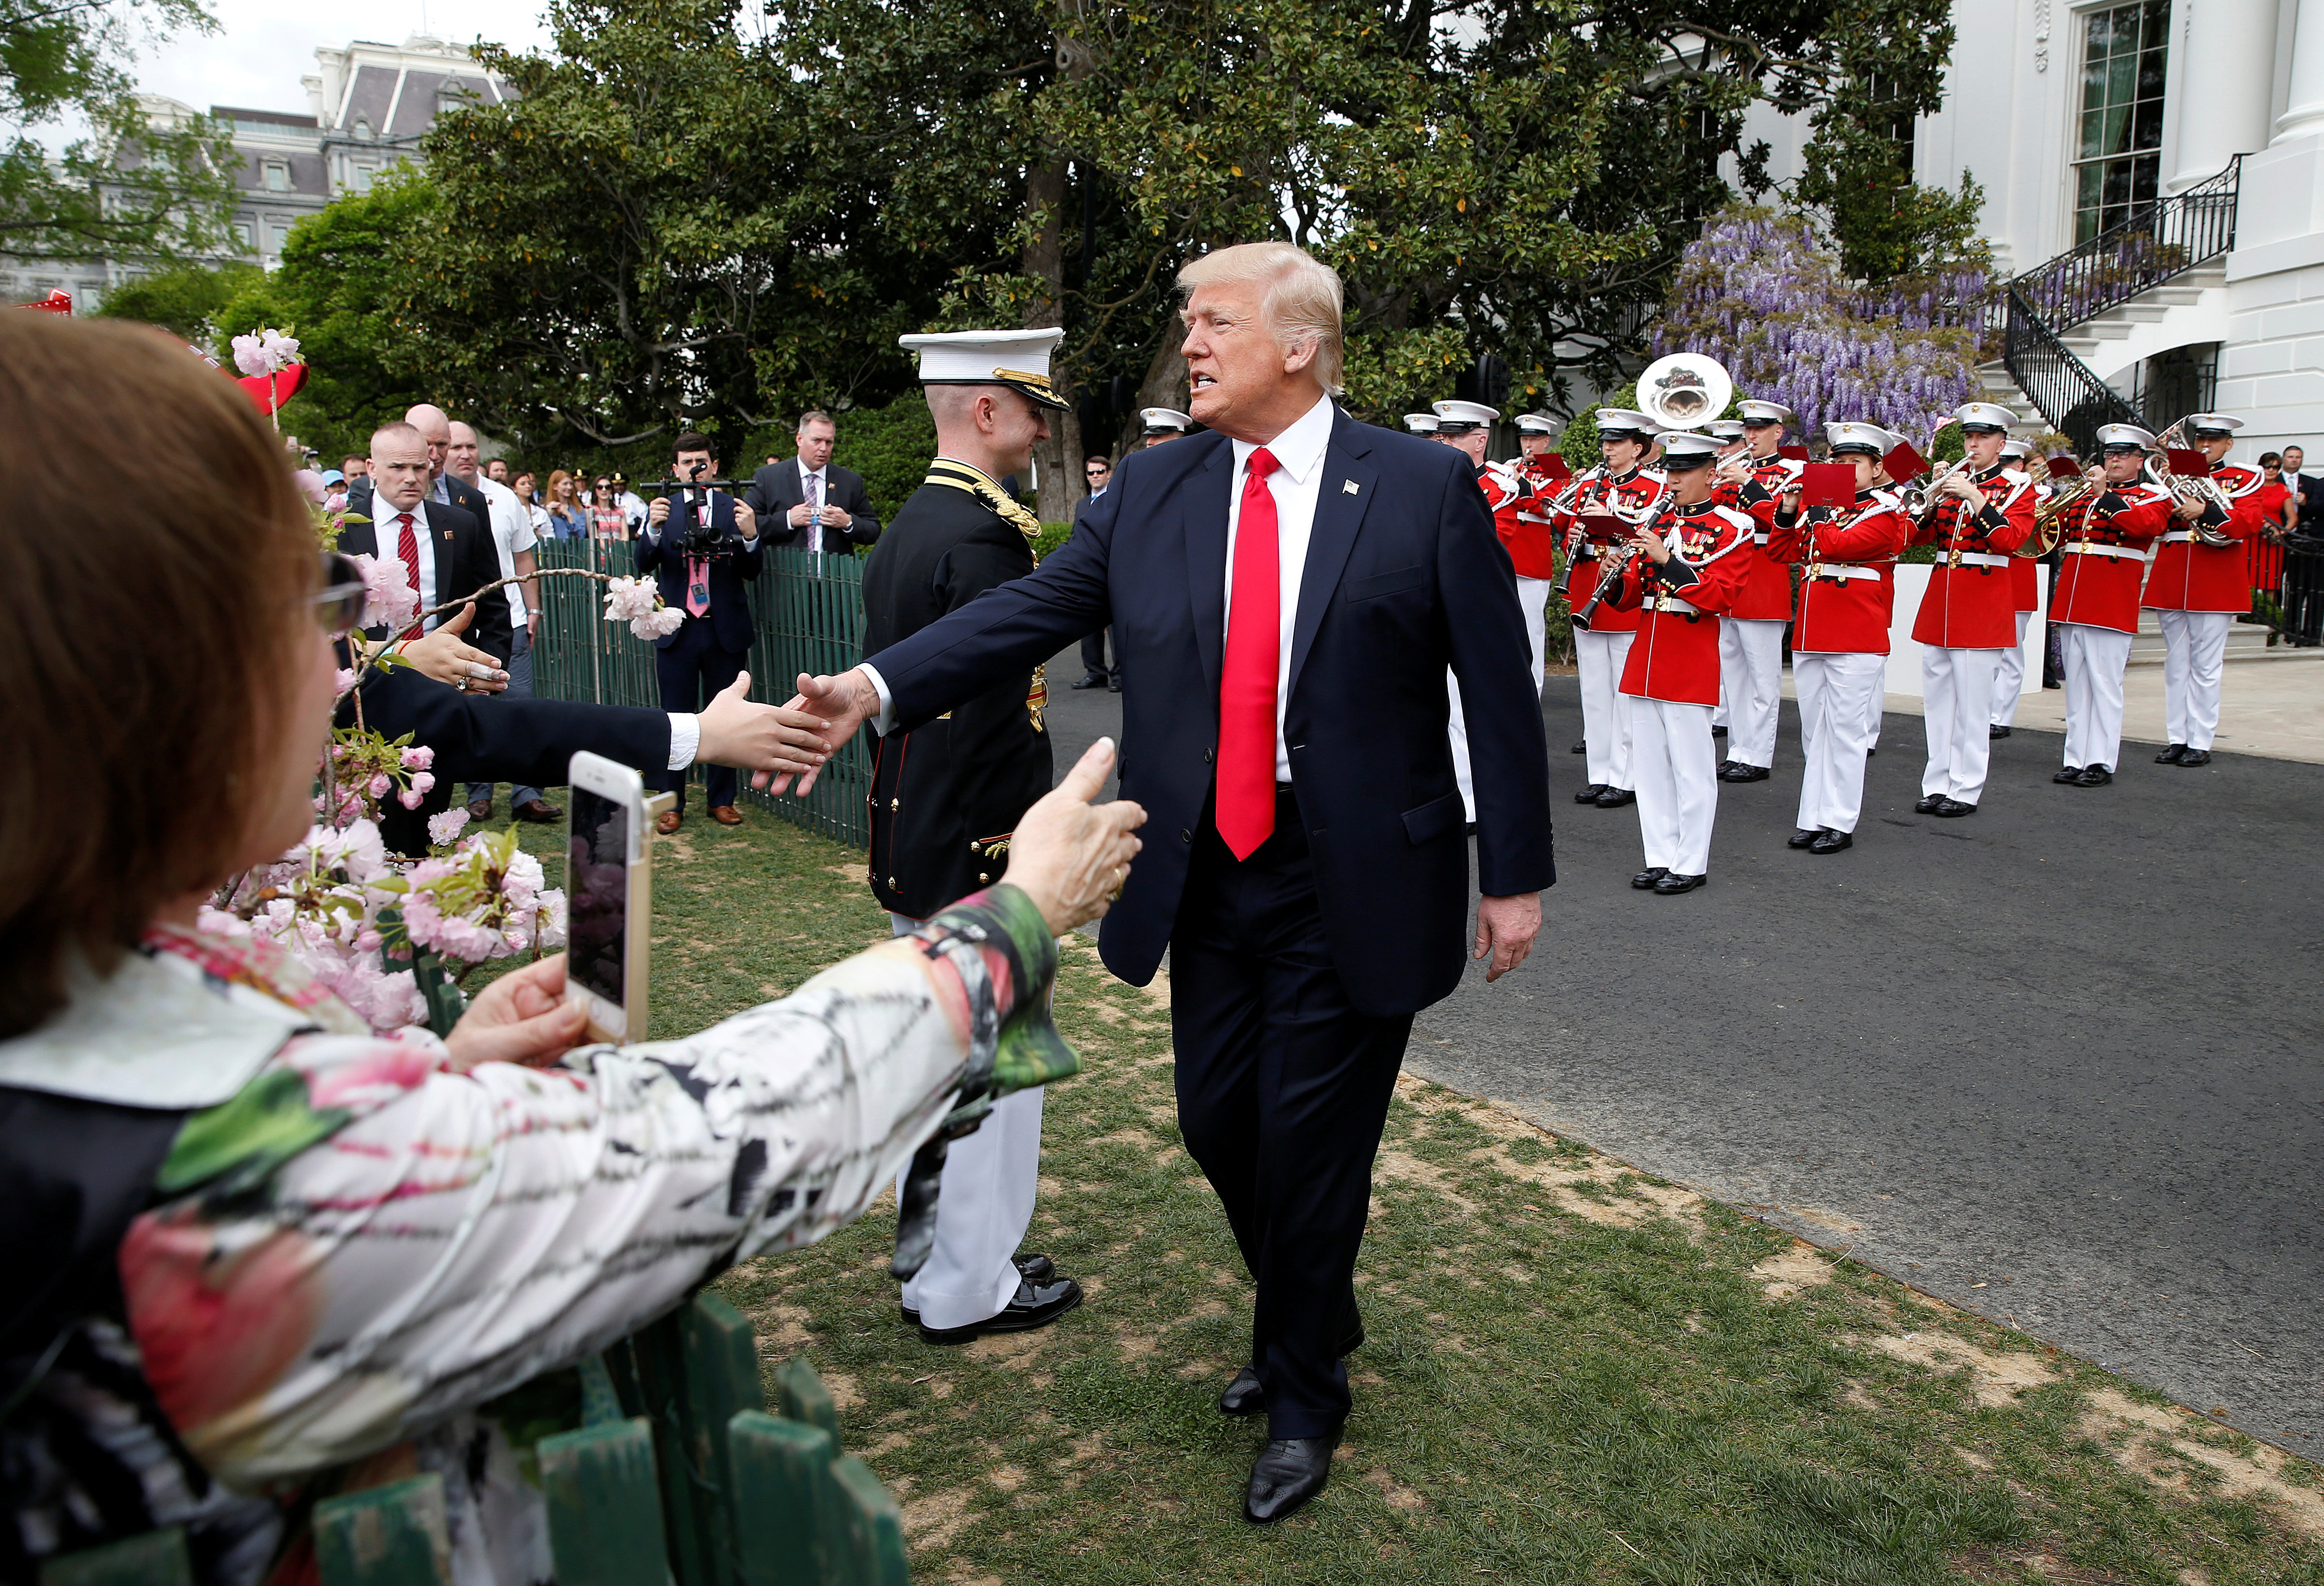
[[1246, 1396], [1614, 797], [1804, 837], [1831, 842], [2195, 757], [1288, 1471], [1113, 684], [1953, 809], [1719, 732], [1091, 680], [1588, 795], [1581, 746], [2073, 773], [2094, 776], [2172, 755], [1035, 1305], [1646, 878], [1726, 766], [1036, 1271], [1928, 804], [1740, 773], [1672, 884], [1996, 731]]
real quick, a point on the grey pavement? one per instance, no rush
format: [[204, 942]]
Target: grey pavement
[[2057, 1063]]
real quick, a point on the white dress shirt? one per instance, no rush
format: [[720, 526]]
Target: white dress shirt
[[511, 528], [387, 528], [1299, 453]]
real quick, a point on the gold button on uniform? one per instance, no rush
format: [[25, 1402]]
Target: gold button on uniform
[[981, 876]]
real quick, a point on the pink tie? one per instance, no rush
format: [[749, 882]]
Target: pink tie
[[1246, 795], [408, 548]]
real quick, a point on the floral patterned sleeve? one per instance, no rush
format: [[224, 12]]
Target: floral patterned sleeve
[[361, 1242]]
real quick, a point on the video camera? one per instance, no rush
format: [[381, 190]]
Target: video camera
[[688, 521]]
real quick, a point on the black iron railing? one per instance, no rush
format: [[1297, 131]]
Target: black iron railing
[[2154, 241], [2070, 396]]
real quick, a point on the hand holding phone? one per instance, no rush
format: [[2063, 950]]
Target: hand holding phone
[[609, 898]]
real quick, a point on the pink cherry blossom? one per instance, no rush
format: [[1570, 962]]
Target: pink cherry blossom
[[389, 599], [665, 621], [417, 757], [445, 827]]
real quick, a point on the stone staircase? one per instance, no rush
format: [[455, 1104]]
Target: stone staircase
[[2112, 341]]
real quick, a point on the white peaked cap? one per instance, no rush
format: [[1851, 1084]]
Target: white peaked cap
[[1456, 415], [1626, 421], [1684, 446], [2015, 447], [1165, 421], [1992, 415], [1726, 429], [2213, 424], [1019, 359], [1861, 438], [1536, 424], [1756, 409], [1421, 423], [2126, 434]]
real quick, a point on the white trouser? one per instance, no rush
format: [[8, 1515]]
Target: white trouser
[[1750, 687], [2194, 652], [2094, 659], [1840, 711], [985, 1205], [1957, 708], [1533, 595], [1677, 769], [2010, 677], [1605, 708]]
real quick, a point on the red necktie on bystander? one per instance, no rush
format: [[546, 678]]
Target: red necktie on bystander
[[408, 548], [1246, 797]]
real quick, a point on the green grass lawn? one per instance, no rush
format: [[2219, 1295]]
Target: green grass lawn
[[1572, 1373]]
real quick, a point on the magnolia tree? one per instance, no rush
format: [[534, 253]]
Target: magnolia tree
[[1759, 291]]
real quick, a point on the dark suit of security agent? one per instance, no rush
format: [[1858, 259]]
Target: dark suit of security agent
[[1295, 971], [779, 488], [705, 654]]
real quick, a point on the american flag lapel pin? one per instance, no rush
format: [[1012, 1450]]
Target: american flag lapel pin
[[1347, 487], [448, 534]]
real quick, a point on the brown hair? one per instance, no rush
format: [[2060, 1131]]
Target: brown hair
[[129, 641], [814, 416]]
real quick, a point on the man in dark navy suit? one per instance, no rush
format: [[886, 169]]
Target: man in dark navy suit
[[1286, 591], [707, 651]]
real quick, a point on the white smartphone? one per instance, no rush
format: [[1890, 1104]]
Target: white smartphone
[[608, 898]]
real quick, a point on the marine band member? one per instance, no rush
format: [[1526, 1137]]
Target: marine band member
[[1983, 511], [1839, 640], [1751, 636], [1161, 424], [2101, 557], [1685, 568], [1467, 427], [1589, 528], [2196, 591], [2025, 595]]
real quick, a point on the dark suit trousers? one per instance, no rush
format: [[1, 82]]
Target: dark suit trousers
[[1283, 1089], [691, 671], [1094, 652]]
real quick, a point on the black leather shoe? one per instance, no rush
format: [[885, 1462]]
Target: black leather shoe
[[1804, 837], [1614, 797], [1953, 809], [2195, 757], [1091, 680], [1725, 766], [1036, 1306], [1244, 1395], [2094, 776], [1928, 804], [1114, 685], [1996, 731], [1288, 1471], [1036, 1271], [2172, 755], [1719, 732], [1646, 878], [1740, 773], [2073, 773], [1581, 746], [1672, 884], [1831, 842], [1588, 795]]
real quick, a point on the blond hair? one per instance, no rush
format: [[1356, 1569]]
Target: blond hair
[[1301, 304]]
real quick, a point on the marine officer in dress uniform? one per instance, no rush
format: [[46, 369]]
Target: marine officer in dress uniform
[[1839, 640], [1686, 568], [1751, 635], [1467, 427], [2102, 544], [1982, 512], [1596, 518], [2025, 593], [945, 797], [2197, 590], [1162, 424]]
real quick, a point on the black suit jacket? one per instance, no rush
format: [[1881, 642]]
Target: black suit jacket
[[1404, 577], [730, 607], [467, 557], [947, 796], [2307, 494], [775, 491]]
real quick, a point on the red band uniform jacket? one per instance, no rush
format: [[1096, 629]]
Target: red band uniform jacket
[[2192, 576], [2025, 567], [2102, 555], [1675, 657], [1534, 551], [1971, 602], [1589, 528], [1847, 569], [1767, 595], [1526, 538]]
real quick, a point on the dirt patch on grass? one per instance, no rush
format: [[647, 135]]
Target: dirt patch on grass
[[1995, 1379], [2149, 1438], [1792, 1272]]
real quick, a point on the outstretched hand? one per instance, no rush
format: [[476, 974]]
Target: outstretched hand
[[1506, 927], [763, 739], [442, 654], [839, 705]]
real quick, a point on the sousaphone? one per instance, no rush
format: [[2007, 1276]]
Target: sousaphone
[[1684, 390]]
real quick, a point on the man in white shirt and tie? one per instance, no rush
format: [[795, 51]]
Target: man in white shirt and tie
[[820, 506]]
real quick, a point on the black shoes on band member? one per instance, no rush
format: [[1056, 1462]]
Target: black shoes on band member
[[2171, 756], [1741, 771], [2094, 776], [1616, 797], [1996, 731], [1672, 884], [1831, 842], [1952, 809], [1581, 746], [1288, 1471], [2073, 773], [2195, 757], [1042, 1297], [1588, 795], [1928, 804], [1646, 878], [1804, 837], [1719, 732]]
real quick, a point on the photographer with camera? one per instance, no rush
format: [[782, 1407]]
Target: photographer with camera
[[700, 543]]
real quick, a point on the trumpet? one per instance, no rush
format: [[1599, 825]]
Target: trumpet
[[2194, 487], [1919, 501]]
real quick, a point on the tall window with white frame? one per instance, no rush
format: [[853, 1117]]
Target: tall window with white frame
[[2119, 155]]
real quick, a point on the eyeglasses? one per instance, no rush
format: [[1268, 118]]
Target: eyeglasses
[[339, 605]]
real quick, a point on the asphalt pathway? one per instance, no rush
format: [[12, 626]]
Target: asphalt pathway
[[2057, 1063]]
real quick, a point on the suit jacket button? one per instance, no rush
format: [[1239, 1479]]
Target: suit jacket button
[[894, 804], [1209, 755], [891, 882]]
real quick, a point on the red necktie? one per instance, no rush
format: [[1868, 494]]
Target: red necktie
[[409, 550], [1246, 799]]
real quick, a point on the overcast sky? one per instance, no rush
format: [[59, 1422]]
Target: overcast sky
[[262, 47]]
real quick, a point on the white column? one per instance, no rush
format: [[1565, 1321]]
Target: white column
[[2304, 115], [2225, 83]]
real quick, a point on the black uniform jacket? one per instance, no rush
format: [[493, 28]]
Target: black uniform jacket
[[947, 794]]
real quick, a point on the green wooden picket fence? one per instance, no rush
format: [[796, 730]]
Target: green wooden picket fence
[[677, 1477], [806, 615]]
